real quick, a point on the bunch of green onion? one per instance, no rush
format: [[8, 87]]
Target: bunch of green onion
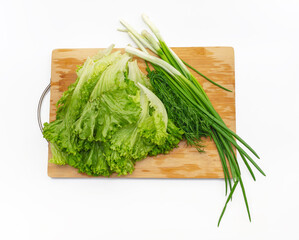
[[184, 85]]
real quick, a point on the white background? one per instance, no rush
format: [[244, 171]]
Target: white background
[[265, 37]]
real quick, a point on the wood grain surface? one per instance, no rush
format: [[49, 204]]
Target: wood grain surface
[[184, 161]]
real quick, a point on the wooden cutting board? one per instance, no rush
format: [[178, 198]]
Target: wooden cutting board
[[184, 161]]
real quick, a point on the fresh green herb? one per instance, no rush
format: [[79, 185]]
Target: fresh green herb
[[180, 111], [179, 89]]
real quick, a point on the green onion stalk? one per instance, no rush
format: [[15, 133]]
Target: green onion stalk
[[175, 71]]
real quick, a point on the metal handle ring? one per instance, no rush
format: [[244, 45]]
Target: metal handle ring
[[47, 89]]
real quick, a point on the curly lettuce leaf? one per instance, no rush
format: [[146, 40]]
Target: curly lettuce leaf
[[137, 76], [109, 119], [60, 131], [103, 116], [113, 77], [58, 157], [92, 162], [149, 134]]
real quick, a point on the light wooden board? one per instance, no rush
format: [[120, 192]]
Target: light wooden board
[[184, 161]]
